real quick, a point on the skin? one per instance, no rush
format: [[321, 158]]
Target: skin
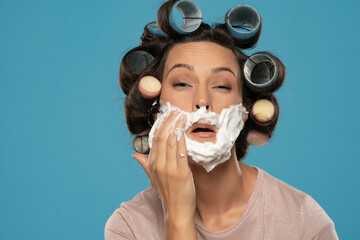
[[197, 73]]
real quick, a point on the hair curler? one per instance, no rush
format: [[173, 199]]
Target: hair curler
[[140, 144], [243, 22], [256, 138], [261, 72], [149, 87], [137, 61], [192, 16], [263, 111], [154, 28]]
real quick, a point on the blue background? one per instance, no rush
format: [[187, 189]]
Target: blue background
[[65, 150]]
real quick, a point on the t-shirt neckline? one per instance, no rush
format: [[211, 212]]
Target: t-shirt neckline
[[250, 204]]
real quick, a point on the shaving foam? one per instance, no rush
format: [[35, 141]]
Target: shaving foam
[[207, 154]]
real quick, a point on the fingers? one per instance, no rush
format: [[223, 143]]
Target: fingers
[[173, 142], [181, 151], [154, 160], [153, 152], [167, 168], [168, 153], [149, 87], [162, 140]]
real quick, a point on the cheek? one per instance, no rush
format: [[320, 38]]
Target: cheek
[[237, 97], [221, 102], [182, 100], [166, 94], [226, 100]]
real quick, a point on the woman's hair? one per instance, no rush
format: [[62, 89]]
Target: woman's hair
[[155, 48]]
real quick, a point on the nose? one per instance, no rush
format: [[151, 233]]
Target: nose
[[202, 98], [198, 106]]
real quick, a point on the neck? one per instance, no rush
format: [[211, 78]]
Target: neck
[[225, 188]]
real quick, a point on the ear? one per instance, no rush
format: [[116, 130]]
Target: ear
[[246, 117]]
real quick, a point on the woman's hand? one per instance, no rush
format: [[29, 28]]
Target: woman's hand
[[168, 171]]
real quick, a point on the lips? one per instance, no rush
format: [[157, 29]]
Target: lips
[[203, 130]]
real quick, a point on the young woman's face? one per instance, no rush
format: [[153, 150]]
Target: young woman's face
[[198, 74]]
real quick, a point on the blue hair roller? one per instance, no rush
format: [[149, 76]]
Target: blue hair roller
[[243, 17], [191, 13], [260, 70], [154, 28]]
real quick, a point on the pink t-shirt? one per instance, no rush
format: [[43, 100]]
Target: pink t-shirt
[[275, 211]]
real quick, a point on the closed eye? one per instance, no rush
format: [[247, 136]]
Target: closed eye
[[181, 85], [223, 87]]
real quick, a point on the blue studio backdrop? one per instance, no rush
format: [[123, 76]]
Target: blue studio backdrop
[[65, 152]]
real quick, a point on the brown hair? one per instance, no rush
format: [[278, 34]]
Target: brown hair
[[139, 110]]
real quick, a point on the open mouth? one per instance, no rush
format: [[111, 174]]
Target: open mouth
[[203, 130]]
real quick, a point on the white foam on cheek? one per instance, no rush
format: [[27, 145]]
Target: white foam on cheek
[[230, 122]]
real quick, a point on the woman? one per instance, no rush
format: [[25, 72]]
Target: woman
[[195, 193]]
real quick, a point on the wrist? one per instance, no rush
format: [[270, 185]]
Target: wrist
[[181, 222], [182, 228]]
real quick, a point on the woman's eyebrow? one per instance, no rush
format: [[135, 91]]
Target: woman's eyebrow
[[187, 66], [220, 69], [191, 68]]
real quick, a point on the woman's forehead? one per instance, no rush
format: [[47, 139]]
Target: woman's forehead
[[201, 55]]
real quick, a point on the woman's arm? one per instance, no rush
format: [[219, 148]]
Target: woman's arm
[[169, 173], [178, 229]]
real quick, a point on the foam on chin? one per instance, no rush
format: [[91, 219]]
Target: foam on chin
[[207, 154]]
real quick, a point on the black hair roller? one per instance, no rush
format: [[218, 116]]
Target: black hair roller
[[264, 73], [132, 64]]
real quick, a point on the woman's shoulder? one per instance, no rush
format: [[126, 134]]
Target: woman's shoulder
[[275, 186], [287, 203], [279, 192], [141, 214], [145, 202]]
